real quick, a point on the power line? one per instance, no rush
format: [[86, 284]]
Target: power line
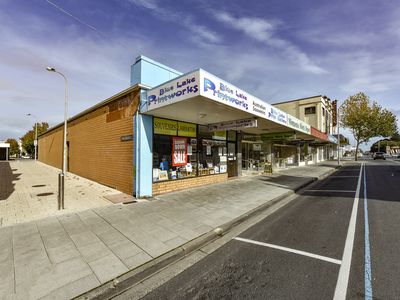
[[80, 21]]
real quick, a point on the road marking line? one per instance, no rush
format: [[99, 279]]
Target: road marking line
[[367, 258], [335, 191], [344, 272], [320, 257], [344, 176]]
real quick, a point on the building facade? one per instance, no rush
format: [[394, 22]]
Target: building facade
[[99, 142], [320, 112], [4, 151], [171, 131]]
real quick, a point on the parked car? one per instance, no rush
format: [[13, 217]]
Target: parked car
[[379, 155]]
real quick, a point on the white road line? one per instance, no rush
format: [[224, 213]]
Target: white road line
[[344, 176], [332, 191], [344, 272], [320, 257]]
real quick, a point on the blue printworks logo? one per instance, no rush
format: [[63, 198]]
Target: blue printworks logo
[[226, 93], [177, 90], [277, 115]]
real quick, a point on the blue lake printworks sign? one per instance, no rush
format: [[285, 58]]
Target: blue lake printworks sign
[[182, 88], [226, 93]]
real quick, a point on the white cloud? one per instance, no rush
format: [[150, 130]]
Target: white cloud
[[149, 4], [257, 28], [266, 32], [201, 34]]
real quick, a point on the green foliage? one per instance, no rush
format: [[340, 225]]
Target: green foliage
[[366, 119], [14, 148], [380, 146], [395, 137], [29, 137]]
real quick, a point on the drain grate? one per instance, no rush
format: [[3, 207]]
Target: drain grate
[[44, 194]]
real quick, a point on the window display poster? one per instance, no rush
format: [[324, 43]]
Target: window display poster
[[219, 135], [163, 175], [208, 150], [179, 151], [256, 147], [156, 173]]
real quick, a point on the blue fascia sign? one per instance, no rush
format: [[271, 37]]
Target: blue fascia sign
[[175, 90]]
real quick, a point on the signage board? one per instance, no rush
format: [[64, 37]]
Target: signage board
[[298, 124], [179, 151], [219, 90], [332, 139], [277, 115], [166, 127], [202, 83], [233, 125], [126, 138], [171, 127], [219, 135], [187, 129], [178, 89], [278, 135]]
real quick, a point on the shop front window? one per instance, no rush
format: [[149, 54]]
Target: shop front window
[[174, 150], [184, 150], [212, 151], [174, 157], [212, 157]]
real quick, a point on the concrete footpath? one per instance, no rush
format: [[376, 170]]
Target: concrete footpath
[[28, 191], [63, 256]]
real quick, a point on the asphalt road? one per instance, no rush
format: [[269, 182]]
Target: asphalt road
[[306, 250]]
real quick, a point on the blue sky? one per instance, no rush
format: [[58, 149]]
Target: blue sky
[[275, 50]]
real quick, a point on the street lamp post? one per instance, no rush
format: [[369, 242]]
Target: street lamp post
[[61, 176], [35, 142], [338, 137]]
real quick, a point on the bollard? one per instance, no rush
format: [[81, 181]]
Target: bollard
[[60, 191]]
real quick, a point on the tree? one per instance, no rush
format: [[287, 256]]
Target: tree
[[29, 137], [14, 147], [366, 119]]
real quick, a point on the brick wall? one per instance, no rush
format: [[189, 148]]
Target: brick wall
[[176, 185], [95, 148], [50, 147]]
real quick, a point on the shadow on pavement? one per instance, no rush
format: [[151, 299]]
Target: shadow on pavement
[[285, 181], [7, 178]]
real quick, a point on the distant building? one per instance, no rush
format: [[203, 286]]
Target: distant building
[[4, 151], [319, 112]]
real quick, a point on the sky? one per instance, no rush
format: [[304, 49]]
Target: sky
[[276, 50]]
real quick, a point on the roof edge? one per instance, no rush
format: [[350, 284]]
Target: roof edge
[[98, 105], [305, 98]]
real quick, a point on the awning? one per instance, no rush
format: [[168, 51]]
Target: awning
[[202, 98]]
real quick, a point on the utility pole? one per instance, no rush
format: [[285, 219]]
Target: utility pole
[[35, 142]]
